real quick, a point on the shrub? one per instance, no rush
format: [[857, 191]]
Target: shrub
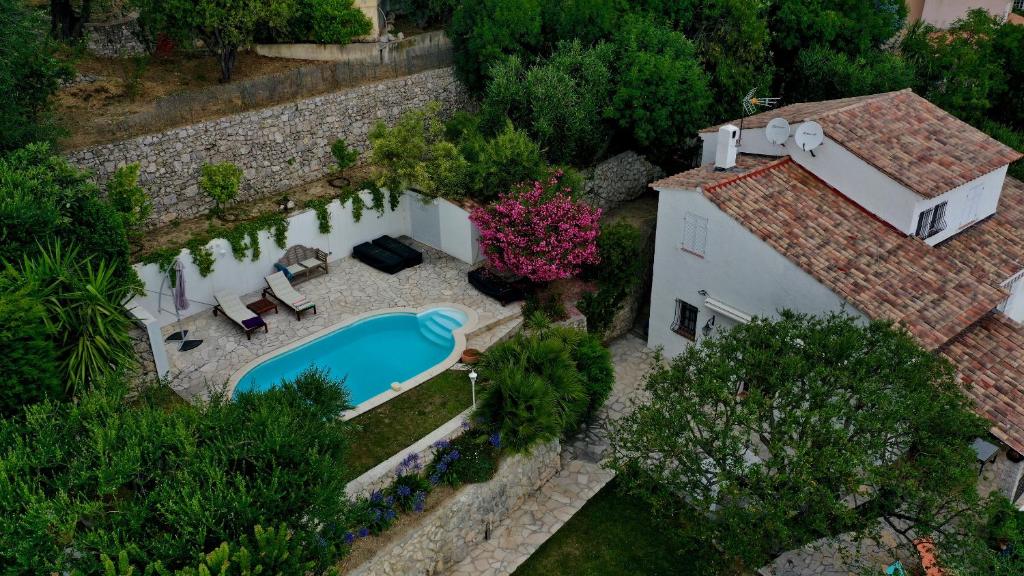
[[823, 74], [594, 362], [129, 199], [335, 21], [29, 75], [521, 407], [83, 301], [500, 163], [344, 156], [624, 259], [546, 302], [468, 459], [587, 21], [484, 31], [27, 353], [539, 231], [101, 475], [220, 182], [427, 12], [414, 154], [43, 199]]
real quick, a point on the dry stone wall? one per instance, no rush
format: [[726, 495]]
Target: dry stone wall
[[115, 39], [277, 148], [446, 535], [621, 178]]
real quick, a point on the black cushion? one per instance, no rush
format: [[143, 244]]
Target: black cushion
[[409, 255], [378, 258], [496, 288]]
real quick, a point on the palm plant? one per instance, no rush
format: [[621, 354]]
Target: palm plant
[[84, 312]]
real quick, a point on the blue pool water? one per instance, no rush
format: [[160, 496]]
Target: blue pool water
[[370, 354]]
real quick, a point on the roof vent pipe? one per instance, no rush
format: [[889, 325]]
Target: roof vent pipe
[[725, 153]]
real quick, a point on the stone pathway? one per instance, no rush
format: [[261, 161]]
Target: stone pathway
[[582, 476]]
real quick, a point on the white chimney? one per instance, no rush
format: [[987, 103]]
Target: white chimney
[[725, 154]]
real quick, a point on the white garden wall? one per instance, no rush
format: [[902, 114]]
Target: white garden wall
[[458, 238]]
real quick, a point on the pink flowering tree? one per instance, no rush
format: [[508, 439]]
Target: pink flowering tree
[[539, 231]]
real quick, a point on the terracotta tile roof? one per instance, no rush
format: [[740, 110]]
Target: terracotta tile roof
[[880, 271], [905, 136], [707, 174], [990, 357], [993, 249]]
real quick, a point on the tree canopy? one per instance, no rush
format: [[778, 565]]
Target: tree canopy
[[484, 31], [785, 431], [29, 75]]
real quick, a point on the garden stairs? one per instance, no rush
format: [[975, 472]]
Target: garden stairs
[[487, 335], [581, 477]]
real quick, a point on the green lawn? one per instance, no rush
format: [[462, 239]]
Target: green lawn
[[390, 427], [611, 535]]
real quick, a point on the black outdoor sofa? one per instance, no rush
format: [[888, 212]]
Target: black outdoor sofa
[[501, 290], [387, 255]]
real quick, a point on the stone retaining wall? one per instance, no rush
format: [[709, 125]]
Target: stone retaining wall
[[446, 535], [277, 148], [116, 39], [144, 353], [619, 179]]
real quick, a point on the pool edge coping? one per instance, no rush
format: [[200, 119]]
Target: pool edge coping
[[459, 334]]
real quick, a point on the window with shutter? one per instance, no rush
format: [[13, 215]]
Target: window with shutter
[[695, 233], [932, 221], [923, 222]]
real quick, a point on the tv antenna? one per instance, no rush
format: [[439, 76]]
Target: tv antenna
[[751, 104]]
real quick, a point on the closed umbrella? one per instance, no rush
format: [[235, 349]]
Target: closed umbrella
[[181, 303]]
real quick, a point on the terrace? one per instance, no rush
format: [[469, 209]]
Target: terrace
[[350, 289]]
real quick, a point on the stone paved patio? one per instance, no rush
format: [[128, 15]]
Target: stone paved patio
[[351, 288], [582, 476]]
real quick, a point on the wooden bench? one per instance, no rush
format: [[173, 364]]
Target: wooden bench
[[301, 261]]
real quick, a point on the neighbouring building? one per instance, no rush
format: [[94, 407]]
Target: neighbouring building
[[884, 206], [942, 13]]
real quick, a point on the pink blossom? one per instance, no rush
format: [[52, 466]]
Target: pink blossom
[[539, 231]]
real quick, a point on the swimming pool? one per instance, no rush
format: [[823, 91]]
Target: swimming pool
[[380, 354]]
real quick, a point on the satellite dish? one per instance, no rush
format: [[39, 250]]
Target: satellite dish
[[809, 135], [777, 131]]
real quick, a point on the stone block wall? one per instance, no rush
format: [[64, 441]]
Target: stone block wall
[[446, 535], [144, 353], [619, 179], [116, 39], [277, 148]]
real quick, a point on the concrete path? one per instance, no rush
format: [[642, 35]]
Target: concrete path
[[582, 476]]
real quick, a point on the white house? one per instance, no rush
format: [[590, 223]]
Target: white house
[[883, 205]]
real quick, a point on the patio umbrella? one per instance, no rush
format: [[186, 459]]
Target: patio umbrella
[[181, 303]]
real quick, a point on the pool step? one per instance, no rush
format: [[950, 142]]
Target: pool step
[[437, 331]]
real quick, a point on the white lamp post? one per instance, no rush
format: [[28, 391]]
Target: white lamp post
[[472, 381]]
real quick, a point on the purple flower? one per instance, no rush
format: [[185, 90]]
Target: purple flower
[[442, 444], [465, 424], [435, 478], [442, 466], [363, 532], [376, 496], [389, 515], [495, 440], [453, 455], [376, 514], [389, 501], [349, 537], [404, 491]]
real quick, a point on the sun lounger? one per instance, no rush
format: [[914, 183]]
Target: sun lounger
[[410, 256], [229, 304], [378, 258], [282, 291]]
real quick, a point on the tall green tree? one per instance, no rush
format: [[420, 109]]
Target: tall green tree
[[484, 31], [732, 41], [29, 75], [223, 26], [849, 26], [561, 101], [959, 69], [661, 95], [27, 353], [784, 431], [824, 74]]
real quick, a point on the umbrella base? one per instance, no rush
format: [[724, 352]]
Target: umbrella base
[[189, 345], [180, 335]]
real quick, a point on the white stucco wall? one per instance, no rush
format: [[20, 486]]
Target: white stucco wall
[[942, 13], [241, 277], [958, 203], [738, 269]]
